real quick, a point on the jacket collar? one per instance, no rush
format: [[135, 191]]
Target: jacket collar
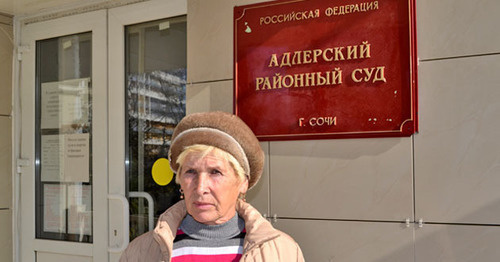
[[166, 228], [258, 229]]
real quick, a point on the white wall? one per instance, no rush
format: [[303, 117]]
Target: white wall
[[347, 200]]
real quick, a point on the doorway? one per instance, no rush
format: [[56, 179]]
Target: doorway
[[100, 94]]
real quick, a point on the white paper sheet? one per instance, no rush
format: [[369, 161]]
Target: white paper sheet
[[65, 104], [65, 158], [51, 158], [54, 211], [79, 210], [76, 158]]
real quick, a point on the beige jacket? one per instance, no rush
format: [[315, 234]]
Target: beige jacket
[[262, 242]]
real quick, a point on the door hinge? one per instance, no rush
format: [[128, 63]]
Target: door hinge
[[22, 162], [20, 50]]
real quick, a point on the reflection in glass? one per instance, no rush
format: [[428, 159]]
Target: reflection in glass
[[156, 102], [64, 138]]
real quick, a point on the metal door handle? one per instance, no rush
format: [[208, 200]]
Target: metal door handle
[[150, 206], [125, 228]]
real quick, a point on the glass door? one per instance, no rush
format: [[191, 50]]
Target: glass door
[[100, 95], [148, 82], [63, 134], [155, 82], [63, 142]]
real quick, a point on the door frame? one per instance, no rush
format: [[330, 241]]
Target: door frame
[[108, 131], [94, 22], [118, 18]]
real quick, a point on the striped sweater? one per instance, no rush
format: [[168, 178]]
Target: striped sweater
[[199, 242]]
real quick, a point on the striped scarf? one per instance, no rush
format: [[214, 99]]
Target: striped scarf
[[218, 243]]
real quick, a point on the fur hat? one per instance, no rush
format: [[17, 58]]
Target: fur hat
[[224, 131]]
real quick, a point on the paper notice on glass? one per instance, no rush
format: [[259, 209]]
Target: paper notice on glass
[[65, 158], [51, 158], [76, 158], [80, 210], [54, 208], [50, 106], [65, 104]]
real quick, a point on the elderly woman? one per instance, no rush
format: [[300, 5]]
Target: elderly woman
[[216, 158]]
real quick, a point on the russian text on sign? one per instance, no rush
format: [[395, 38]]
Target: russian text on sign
[[352, 8], [299, 80], [293, 16], [327, 55]]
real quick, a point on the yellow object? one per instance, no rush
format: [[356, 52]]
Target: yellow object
[[161, 172]]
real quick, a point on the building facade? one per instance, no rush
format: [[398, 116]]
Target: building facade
[[429, 197]]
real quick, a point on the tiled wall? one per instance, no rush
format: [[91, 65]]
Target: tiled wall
[[347, 200], [457, 152], [5, 138]]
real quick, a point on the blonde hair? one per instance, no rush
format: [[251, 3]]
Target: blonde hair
[[204, 150]]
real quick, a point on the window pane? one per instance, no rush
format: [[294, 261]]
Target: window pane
[[156, 102], [64, 138]]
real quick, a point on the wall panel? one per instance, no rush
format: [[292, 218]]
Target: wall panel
[[6, 50], [339, 241], [450, 28], [5, 162], [258, 196], [211, 96], [362, 179], [457, 152], [450, 243], [210, 39], [6, 235]]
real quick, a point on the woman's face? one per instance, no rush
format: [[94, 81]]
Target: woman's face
[[211, 188]]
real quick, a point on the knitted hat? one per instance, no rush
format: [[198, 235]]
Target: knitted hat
[[224, 131]]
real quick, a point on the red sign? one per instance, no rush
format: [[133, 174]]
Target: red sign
[[314, 69]]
